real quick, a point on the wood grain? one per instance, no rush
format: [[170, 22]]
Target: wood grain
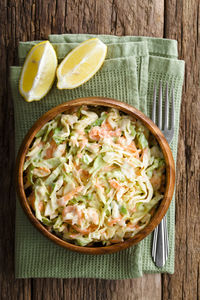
[[182, 23], [9, 287], [97, 289], [35, 19]]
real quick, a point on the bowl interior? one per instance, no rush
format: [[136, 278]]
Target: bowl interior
[[95, 101]]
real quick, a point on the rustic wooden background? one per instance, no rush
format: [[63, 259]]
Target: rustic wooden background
[[35, 19]]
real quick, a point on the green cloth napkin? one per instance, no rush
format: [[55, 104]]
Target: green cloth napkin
[[123, 77], [157, 46]]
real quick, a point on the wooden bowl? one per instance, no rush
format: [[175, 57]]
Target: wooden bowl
[[170, 174]]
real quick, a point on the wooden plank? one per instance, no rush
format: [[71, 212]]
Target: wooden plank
[[182, 23], [130, 289], [48, 289], [9, 287]]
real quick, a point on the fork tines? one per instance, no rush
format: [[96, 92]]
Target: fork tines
[[157, 111]]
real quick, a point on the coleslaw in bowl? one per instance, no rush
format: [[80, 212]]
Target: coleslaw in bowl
[[94, 175]]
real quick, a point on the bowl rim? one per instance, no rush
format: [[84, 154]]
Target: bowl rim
[[107, 102]]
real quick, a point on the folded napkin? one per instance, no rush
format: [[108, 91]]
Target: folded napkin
[[157, 46], [128, 74]]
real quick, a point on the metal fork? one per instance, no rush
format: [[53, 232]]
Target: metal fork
[[160, 247]]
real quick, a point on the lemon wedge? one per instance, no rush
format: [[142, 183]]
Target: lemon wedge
[[38, 72], [81, 64]]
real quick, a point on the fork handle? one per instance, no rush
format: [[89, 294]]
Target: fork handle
[[160, 242]]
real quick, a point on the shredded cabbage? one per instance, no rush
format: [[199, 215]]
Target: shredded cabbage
[[94, 176]]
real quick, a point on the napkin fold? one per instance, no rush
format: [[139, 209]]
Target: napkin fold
[[132, 66], [156, 46]]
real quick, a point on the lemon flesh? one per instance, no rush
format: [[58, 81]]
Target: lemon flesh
[[81, 64], [38, 72]]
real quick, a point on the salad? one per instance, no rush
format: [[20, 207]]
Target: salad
[[94, 175]]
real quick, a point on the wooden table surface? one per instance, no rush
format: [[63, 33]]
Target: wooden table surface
[[34, 20]]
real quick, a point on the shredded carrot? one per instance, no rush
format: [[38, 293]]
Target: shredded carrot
[[106, 126], [144, 152], [74, 236], [115, 184], [31, 200], [108, 168], [41, 206], [104, 131], [83, 143], [133, 226], [95, 133], [62, 201], [132, 147], [85, 231], [42, 171], [116, 132], [98, 185], [51, 149], [75, 211]]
